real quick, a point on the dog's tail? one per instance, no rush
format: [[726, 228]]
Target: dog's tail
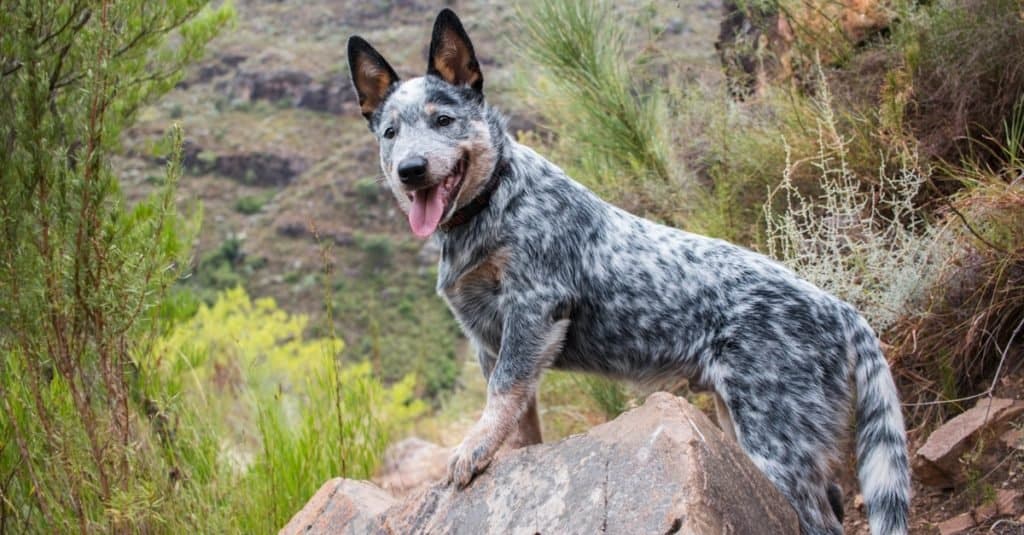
[[882, 465]]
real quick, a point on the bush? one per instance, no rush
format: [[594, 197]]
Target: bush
[[379, 251], [869, 246], [967, 73], [288, 415], [81, 273], [614, 126], [252, 204], [368, 189]]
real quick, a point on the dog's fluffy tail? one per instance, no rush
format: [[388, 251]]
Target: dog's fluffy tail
[[882, 465]]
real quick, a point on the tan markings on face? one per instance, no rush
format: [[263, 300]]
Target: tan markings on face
[[481, 162], [430, 109]]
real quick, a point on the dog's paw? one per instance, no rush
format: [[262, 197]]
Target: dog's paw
[[468, 460]]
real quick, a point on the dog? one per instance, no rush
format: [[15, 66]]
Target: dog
[[541, 273]]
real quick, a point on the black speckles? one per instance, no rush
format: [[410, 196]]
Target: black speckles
[[586, 286]]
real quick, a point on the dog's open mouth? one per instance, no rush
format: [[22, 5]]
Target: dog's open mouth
[[430, 204]]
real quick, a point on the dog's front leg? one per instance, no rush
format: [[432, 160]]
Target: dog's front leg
[[528, 345]]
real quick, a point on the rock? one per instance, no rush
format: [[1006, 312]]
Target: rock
[[410, 465], [299, 227], [757, 43], [341, 504], [958, 524], [273, 85], [260, 168], [334, 95], [937, 462], [660, 468], [1009, 502], [1013, 438]]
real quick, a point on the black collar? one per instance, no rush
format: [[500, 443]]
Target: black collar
[[477, 205]]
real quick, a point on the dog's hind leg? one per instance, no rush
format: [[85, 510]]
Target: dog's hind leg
[[724, 419], [529, 431]]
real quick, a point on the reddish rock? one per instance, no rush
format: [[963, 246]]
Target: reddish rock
[[341, 504], [660, 468], [937, 462], [411, 465], [956, 525]]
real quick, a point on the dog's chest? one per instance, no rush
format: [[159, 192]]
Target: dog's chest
[[475, 299]]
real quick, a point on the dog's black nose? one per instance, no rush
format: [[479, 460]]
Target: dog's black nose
[[412, 170]]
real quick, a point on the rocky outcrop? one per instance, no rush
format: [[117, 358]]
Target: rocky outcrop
[[660, 468], [253, 168], [937, 462], [334, 95], [331, 95]]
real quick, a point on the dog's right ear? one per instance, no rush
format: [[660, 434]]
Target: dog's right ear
[[371, 75]]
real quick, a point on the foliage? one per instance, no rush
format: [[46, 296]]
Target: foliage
[[971, 327], [401, 329], [80, 272], [288, 414], [967, 76], [225, 267], [870, 247], [594, 94], [252, 204]]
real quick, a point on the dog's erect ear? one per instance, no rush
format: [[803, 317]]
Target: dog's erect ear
[[371, 74], [451, 53]]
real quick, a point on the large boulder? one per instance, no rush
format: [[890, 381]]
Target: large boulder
[[660, 468]]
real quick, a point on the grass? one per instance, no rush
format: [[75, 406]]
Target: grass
[[253, 204], [617, 126]]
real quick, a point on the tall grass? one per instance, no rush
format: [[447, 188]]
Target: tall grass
[[613, 120], [287, 415]]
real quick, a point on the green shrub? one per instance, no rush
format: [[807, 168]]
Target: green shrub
[[368, 189], [288, 415], [83, 272], [252, 204], [379, 251]]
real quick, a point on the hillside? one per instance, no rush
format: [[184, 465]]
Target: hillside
[[286, 171]]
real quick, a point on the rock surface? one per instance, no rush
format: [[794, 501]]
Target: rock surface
[[660, 468], [411, 465], [937, 462]]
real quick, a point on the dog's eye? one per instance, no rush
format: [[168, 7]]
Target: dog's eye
[[389, 133], [444, 120]]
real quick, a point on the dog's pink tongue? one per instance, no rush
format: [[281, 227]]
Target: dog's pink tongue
[[425, 214]]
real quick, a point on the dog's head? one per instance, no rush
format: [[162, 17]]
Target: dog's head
[[436, 149]]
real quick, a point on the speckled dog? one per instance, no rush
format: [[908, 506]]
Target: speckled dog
[[542, 273]]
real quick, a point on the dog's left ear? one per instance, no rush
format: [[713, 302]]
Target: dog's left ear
[[451, 53]]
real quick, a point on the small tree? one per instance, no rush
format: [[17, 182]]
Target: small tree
[[79, 271]]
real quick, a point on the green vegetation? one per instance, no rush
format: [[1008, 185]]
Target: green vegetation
[[901, 194], [253, 204], [142, 390], [589, 85], [127, 404], [81, 273], [287, 415], [402, 327]]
